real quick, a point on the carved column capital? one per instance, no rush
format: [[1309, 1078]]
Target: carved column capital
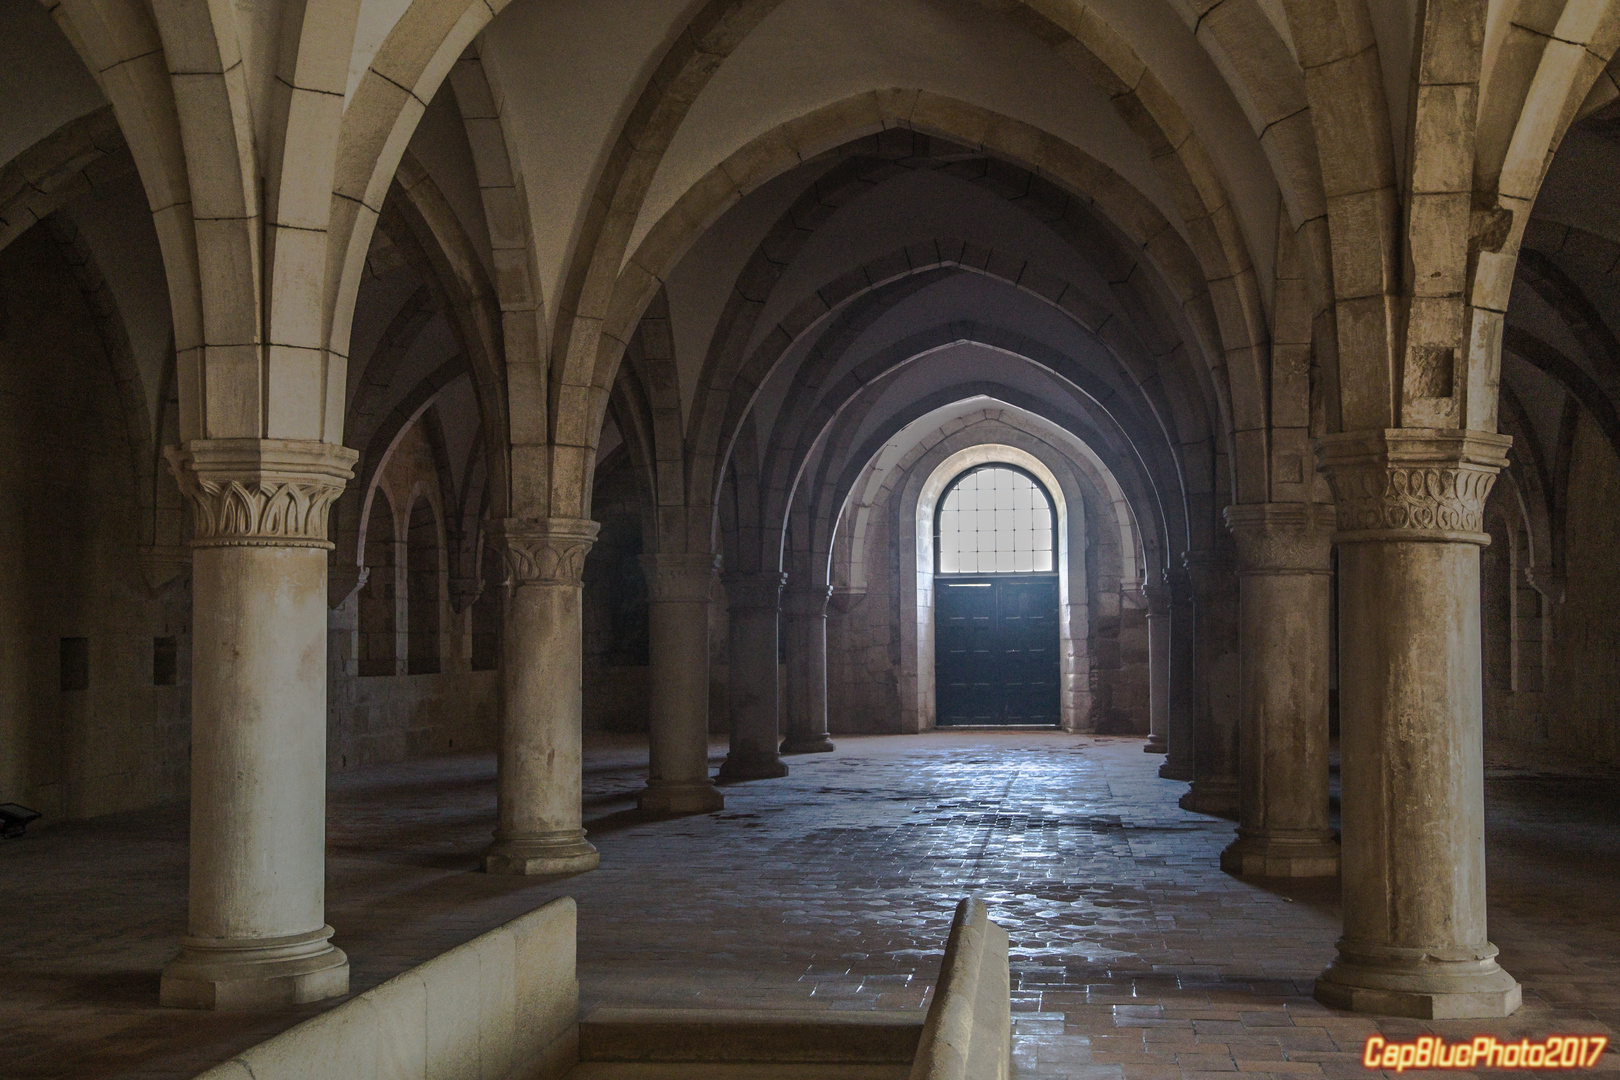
[[807, 600], [1157, 595], [544, 551], [1406, 484], [260, 492], [1282, 538], [754, 592], [680, 578]]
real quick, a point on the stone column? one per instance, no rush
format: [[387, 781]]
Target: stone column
[[1285, 587], [256, 934], [806, 610], [679, 589], [1157, 595], [538, 777], [1183, 693], [1411, 508], [1215, 727], [755, 697]]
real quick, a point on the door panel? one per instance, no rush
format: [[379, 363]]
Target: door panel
[[996, 650]]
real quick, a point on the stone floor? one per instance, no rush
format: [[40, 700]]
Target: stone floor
[[1134, 957]]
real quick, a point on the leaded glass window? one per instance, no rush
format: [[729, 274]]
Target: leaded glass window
[[995, 519]]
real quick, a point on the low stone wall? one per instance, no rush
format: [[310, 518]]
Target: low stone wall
[[968, 1034], [504, 1006]]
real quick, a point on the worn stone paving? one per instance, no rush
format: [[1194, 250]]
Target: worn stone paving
[[1134, 957]]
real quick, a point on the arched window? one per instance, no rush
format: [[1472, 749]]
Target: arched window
[[995, 519]]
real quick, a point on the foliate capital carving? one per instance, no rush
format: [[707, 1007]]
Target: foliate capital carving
[[544, 551], [809, 601], [1404, 484], [754, 592], [260, 492], [1282, 538], [1157, 595], [680, 578]]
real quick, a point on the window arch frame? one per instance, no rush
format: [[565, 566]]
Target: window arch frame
[[950, 489]]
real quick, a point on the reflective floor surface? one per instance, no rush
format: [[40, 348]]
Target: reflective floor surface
[[1134, 957]]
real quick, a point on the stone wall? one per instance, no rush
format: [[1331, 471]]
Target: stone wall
[[95, 665], [864, 642], [402, 678], [95, 654], [615, 612], [863, 649], [1549, 665]]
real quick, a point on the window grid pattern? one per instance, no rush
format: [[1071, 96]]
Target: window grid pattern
[[995, 520]]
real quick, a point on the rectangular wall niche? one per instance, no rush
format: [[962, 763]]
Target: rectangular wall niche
[[165, 661], [75, 664]]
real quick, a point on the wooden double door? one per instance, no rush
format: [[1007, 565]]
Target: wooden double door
[[996, 649]]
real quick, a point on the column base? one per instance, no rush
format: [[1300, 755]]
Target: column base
[[685, 797], [1218, 798], [1175, 770], [765, 766], [1387, 981], [1156, 745], [1282, 855], [565, 852], [256, 973], [807, 744]]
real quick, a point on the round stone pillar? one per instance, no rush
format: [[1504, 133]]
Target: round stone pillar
[[806, 610], [753, 601], [538, 774], [679, 589], [1157, 595], [1411, 508], [1215, 725], [256, 934], [1183, 692], [1285, 579]]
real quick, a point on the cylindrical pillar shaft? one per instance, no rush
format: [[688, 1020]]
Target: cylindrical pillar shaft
[[538, 778], [679, 590], [1411, 519], [256, 930], [1183, 692], [1285, 585], [806, 610], [1215, 728], [754, 601], [1158, 627]]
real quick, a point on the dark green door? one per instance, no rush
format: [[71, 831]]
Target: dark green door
[[996, 649]]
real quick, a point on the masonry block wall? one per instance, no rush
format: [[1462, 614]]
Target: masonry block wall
[[403, 680], [94, 663], [1549, 664]]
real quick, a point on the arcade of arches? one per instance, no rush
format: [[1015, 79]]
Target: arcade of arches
[[391, 379]]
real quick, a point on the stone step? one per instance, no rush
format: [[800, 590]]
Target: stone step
[[698, 1070], [750, 1037]]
